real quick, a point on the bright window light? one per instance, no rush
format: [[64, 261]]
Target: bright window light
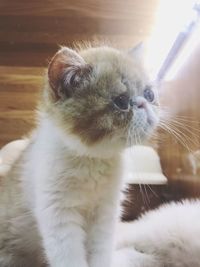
[[176, 21], [184, 54]]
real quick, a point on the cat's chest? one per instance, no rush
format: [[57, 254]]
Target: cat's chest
[[75, 181], [89, 181], [90, 173]]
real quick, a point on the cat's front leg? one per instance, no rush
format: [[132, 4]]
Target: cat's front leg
[[63, 236], [100, 237]]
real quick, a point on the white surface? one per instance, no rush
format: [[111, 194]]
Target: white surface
[[9, 153], [142, 166]]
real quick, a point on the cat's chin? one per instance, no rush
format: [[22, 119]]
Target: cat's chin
[[141, 136], [107, 148], [103, 149]]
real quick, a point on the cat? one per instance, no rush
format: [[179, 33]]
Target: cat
[[166, 237], [59, 202]]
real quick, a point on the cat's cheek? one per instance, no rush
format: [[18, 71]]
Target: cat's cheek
[[154, 117], [152, 120]]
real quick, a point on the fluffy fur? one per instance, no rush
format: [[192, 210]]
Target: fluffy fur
[[166, 237], [59, 202]]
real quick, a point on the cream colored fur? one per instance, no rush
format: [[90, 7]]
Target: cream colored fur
[[166, 237], [59, 202], [79, 198]]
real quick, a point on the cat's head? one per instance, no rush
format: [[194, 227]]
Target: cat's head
[[100, 99]]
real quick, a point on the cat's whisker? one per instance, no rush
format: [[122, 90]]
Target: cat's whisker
[[191, 138], [143, 191], [137, 141], [147, 196], [193, 141], [140, 141], [185, 118], [184, 125], [176, 135], [142, 194], [167, 116], [176, 124], [153, 192], [136, 138], [181, 126], [131, 138], [196, 123]]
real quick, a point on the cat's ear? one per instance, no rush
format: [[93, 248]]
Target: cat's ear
[[66, 71], [137, 52]]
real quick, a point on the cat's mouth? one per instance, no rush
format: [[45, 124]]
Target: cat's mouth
[[150, 116]]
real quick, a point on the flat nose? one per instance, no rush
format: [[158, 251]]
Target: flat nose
[[138, 102]]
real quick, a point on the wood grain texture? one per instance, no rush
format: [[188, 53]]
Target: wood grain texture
[[31, 32], [19, 91], [182, 97]]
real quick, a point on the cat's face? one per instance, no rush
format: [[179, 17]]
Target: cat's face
[[101, 98]]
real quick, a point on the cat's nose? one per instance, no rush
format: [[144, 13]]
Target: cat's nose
[[138, 102]]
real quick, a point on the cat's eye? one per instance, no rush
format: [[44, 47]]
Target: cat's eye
[[122, 101], [149, 94]]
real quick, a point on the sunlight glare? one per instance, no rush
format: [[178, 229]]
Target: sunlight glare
[[172, 17]]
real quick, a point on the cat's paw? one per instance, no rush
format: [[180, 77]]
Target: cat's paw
[[129, 257]]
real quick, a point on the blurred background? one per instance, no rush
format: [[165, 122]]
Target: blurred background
[[31, 32]]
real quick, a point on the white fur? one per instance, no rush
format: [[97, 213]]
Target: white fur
[[167, 237], [70, 200], [81, 193]]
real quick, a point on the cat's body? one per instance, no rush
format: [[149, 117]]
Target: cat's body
[[166, 237], [94, 191], [59, 202]]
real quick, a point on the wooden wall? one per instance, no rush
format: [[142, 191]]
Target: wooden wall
[[180, 155], [30, 33]]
